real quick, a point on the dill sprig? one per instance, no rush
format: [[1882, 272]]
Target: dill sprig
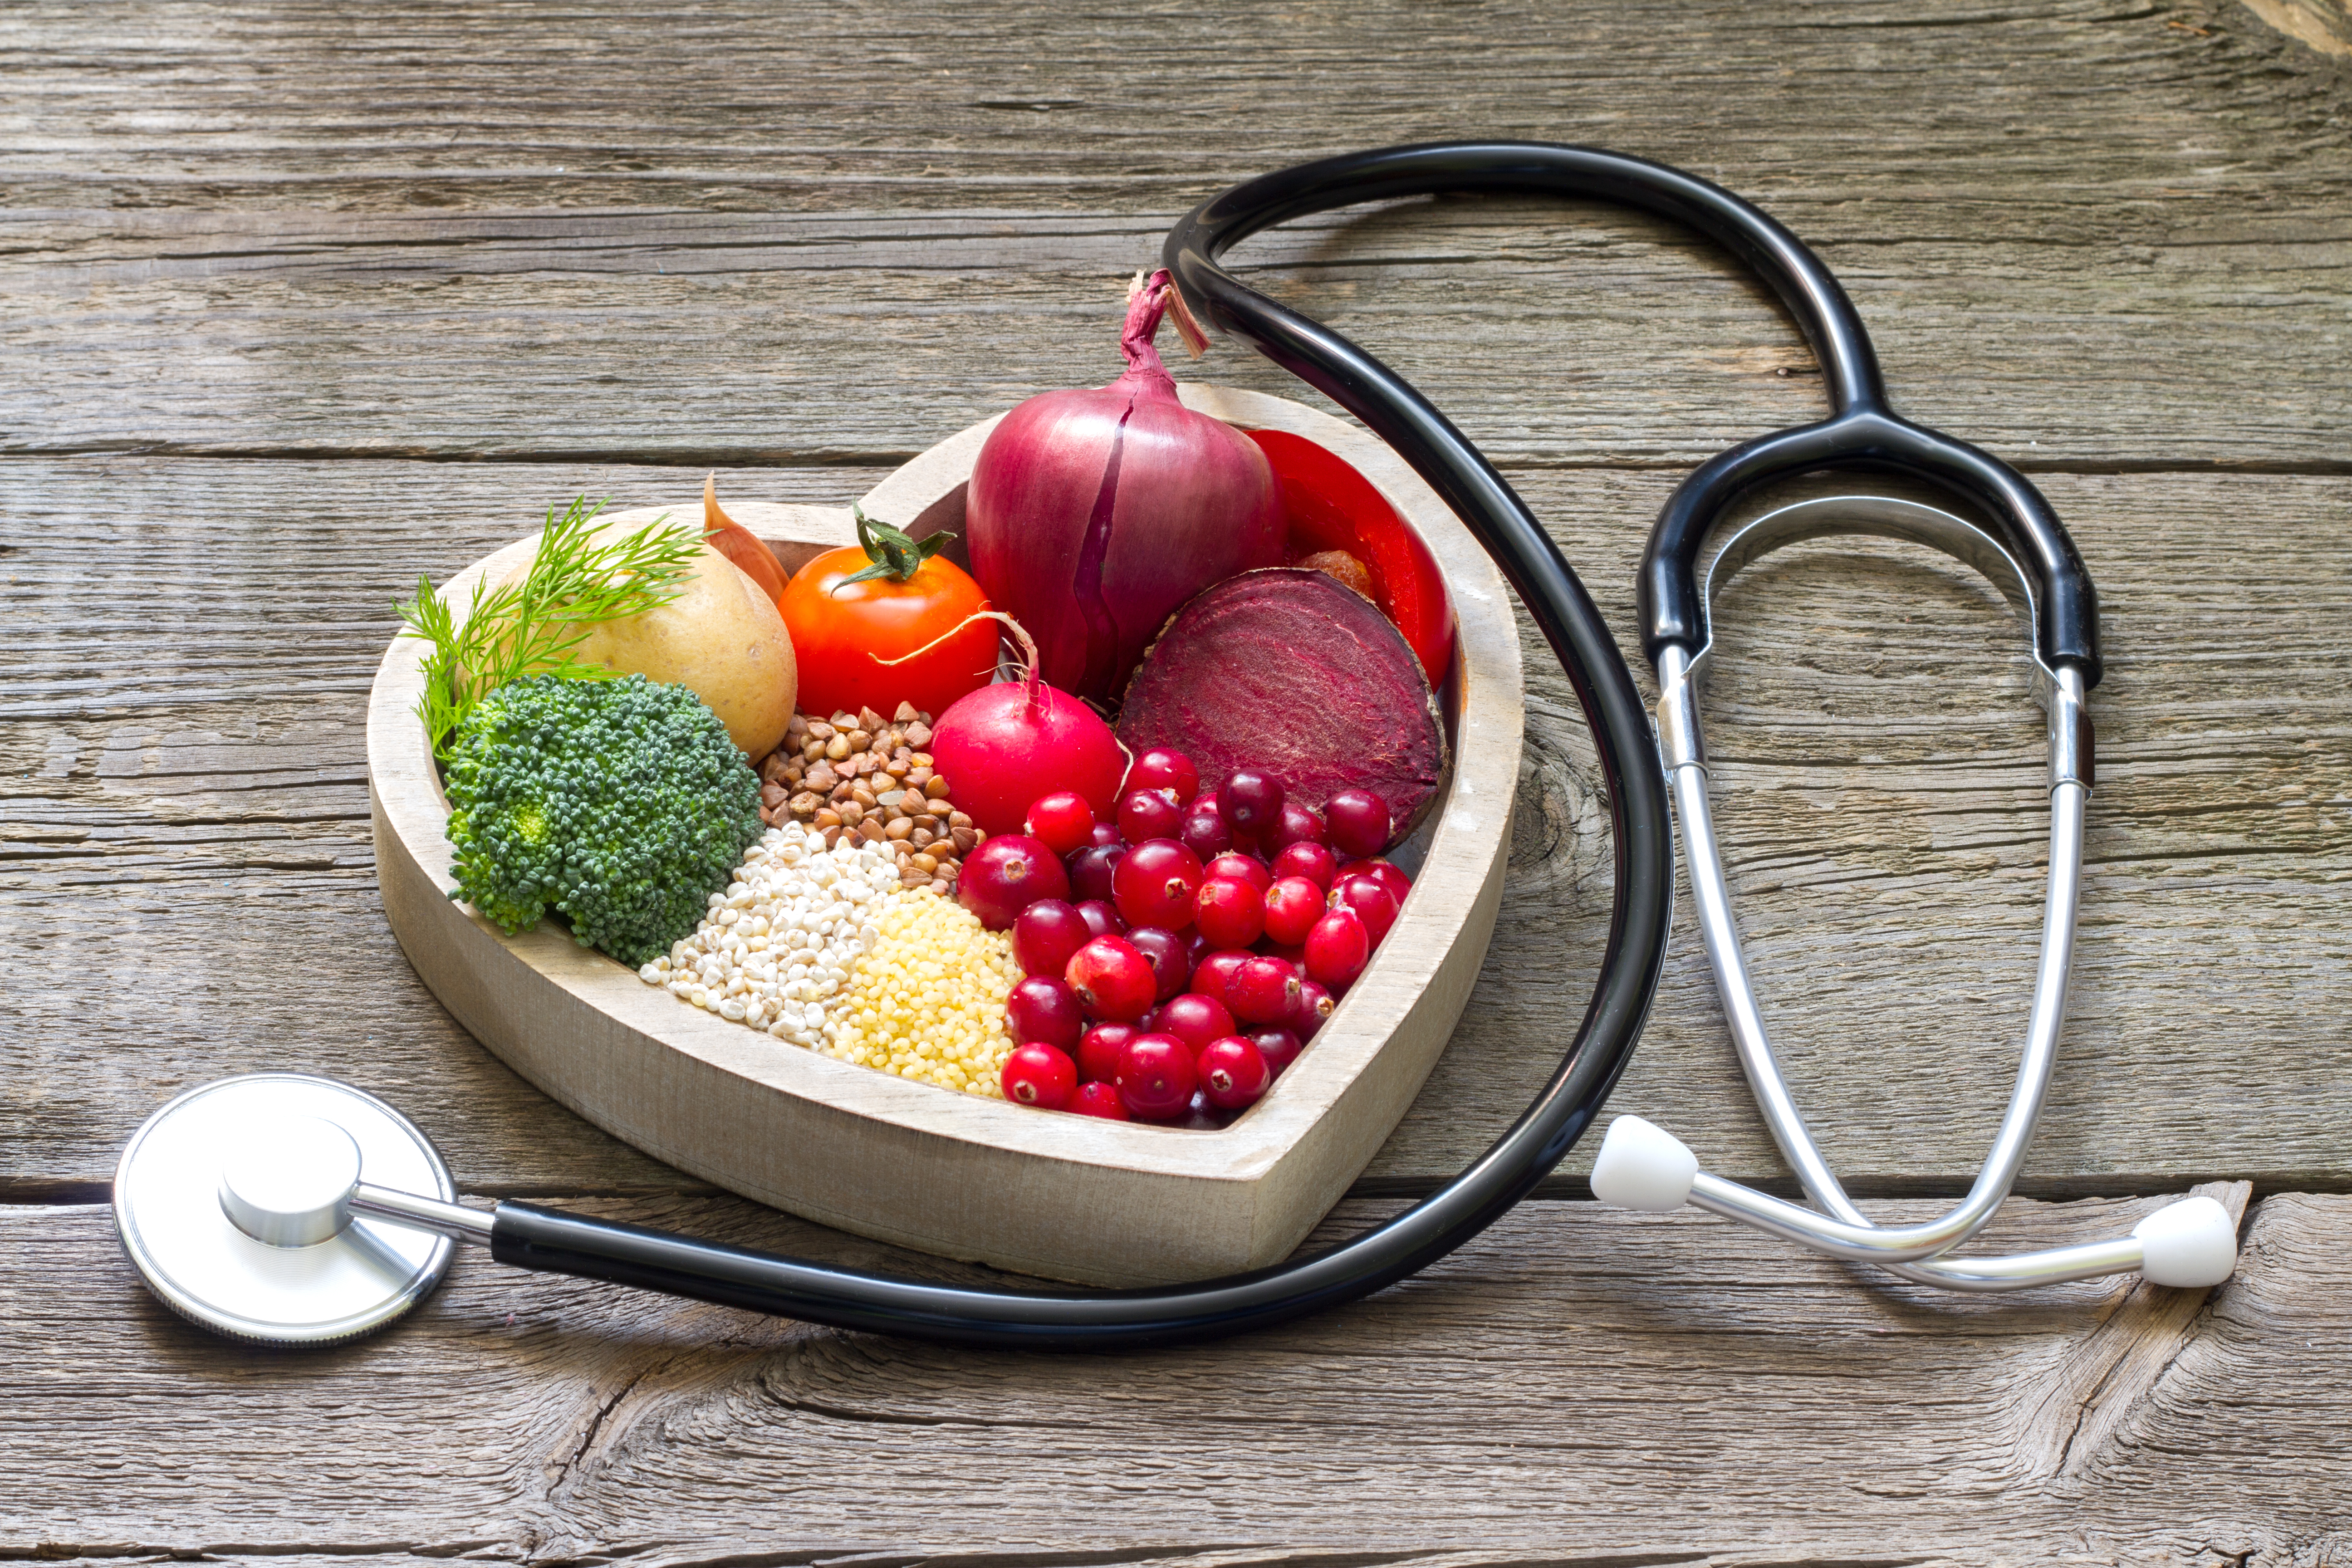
[[531, 627]]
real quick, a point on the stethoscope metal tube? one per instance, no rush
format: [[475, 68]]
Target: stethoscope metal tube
[[1913, 1252]]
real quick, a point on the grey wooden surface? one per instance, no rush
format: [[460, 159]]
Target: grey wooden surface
[[257, 261]]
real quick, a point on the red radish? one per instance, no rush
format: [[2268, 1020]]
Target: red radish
[[1093, 513], [1004, 746]]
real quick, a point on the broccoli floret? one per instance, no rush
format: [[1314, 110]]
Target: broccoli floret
[[621, 804]]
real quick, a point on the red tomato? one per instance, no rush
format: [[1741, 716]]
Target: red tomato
[[842, 633], [1332, 507]]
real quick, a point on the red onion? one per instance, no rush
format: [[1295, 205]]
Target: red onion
[[1093, 513]]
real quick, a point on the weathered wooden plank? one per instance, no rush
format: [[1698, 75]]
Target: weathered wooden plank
[[471, 105], [188, 867], [787, 213], [1557, 337], [1588, 1385]]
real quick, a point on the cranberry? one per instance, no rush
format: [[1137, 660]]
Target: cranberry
[[1196, 948], [1395, 882], [1164, 951], [1105, 836], [1156, 1077], [1098, 1051], [1045, 1010], [1337, 949], [1099, 1098], [1232, 1073], [1036, 1074], [1194, 1019], [1251, 802], [1315, 1004], [1162, 769], [1102, 918], [1215, 973], [1155, 884], [1280, 1047], [1248, 868], [1370, 899], [1061, 821], [1046, 934], [1308, 859], [1359, 822], [1297, 825], [1262, 991], [1006, 875], [1148, 814], [1093, 868], [1293, 905], [1205, 833], [1229, 911], [1112, 979], [1201, 1117]]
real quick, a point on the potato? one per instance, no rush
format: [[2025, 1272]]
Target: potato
[[722, 638]]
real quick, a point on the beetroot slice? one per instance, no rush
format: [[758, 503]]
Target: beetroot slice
[[1288, 672]]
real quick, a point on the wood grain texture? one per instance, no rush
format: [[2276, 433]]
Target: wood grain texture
[[1580, 1387], [821, 242], [184, 823]]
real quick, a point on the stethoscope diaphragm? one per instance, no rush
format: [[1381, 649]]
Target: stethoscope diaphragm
[[232, 1203]]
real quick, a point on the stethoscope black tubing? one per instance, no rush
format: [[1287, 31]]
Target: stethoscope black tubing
[[545, 1240], [1861, 434]]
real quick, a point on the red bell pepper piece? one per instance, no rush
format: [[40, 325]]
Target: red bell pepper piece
[[1331, 506]]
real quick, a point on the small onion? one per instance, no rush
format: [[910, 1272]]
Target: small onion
[[1093, 513]]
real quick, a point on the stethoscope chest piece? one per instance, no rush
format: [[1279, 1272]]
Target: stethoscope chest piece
[[232, 1204]]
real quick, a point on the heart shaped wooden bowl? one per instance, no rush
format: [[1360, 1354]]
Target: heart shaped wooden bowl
[[1066, 1196]]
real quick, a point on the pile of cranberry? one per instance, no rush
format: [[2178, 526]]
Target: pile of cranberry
[[1178, 959]]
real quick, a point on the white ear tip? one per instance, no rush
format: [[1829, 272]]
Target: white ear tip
[[1642, 1166], [2193, 1242]]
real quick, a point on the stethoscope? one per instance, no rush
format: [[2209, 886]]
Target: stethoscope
[[291, 1209]]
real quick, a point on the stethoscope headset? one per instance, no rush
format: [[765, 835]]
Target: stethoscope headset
[[342, 1216]]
